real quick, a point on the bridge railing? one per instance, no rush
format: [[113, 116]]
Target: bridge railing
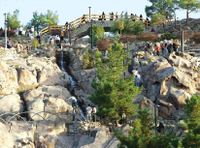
[[85, 18]]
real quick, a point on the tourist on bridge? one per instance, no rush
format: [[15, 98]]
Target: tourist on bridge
[[111, 16], [141, 17], [100, 18], [83, 19], [103, 16]]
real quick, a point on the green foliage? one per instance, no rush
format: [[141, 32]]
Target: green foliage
[[167, 36], [128, 26], [119, 25], [88, 59], [134, 27], [189, 6], [142, 135], [158, 18], [13, 20], [42, 20], [113, 94], [164, 7], [97, 33], [192, 138]]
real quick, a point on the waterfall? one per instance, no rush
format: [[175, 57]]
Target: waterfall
[[62, 65]]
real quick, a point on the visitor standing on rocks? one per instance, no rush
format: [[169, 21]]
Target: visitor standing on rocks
[[89, 112], [138, 80], [74, 105], [94, 111]]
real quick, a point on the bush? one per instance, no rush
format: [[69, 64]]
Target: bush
[[104, 44], [168, 36], [88, 60]]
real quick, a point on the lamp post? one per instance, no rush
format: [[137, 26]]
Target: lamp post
[[89, 13], [5, 28], [91, 35]]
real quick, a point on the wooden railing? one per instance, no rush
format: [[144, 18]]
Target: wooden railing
[[85, 19]]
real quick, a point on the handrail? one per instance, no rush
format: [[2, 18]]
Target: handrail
[[85, 18]]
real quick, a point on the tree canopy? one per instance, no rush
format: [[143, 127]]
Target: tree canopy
[[41, 20], [113, 94], [164, 7], [189, 6], [13, 20]]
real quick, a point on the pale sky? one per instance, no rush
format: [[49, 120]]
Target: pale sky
[[70, 10]]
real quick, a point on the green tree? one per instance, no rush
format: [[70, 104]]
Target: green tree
[[119, 26], [133, 27], [164, 7], [97, 33], [13, 20], [142, 135], [158, 19], [113, 94], [192, 138], [189, 6], [42, 20]]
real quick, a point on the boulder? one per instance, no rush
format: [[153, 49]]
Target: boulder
[[178, 97], [46, 101], [6, 139], [11, 104], [8, 79], [166, 109], [27, 79]]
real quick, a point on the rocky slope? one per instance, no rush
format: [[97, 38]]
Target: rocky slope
[[35, 110]]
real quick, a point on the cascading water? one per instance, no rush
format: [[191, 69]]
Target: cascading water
[[62, 66]]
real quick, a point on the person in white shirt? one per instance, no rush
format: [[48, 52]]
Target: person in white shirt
[[89, 112]]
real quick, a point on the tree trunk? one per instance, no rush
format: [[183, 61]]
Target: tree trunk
[[187, 16]]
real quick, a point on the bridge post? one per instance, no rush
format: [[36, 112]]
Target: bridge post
[[91, 35], [89, 13]]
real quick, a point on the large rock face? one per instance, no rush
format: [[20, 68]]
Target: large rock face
[[171, 81], [20, 74], [44, 99]]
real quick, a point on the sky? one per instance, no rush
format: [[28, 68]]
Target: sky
[[70, 10]]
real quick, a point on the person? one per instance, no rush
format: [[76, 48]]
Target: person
[[83, 19], [103, 16], [89, 112], [94, 111], [74, 101], [9, 43], [111, 16], [161, 127], [141, 17], [123, 118], [138, 81]]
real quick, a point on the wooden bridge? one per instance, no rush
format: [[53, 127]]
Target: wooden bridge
[[81, 26]]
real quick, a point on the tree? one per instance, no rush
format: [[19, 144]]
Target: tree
[[97, 33], [133, 27], [192, 138], [13, 20], [158, 19], [42, 20], [164, 7], [119, 25], [189, 6], [113, 94]]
